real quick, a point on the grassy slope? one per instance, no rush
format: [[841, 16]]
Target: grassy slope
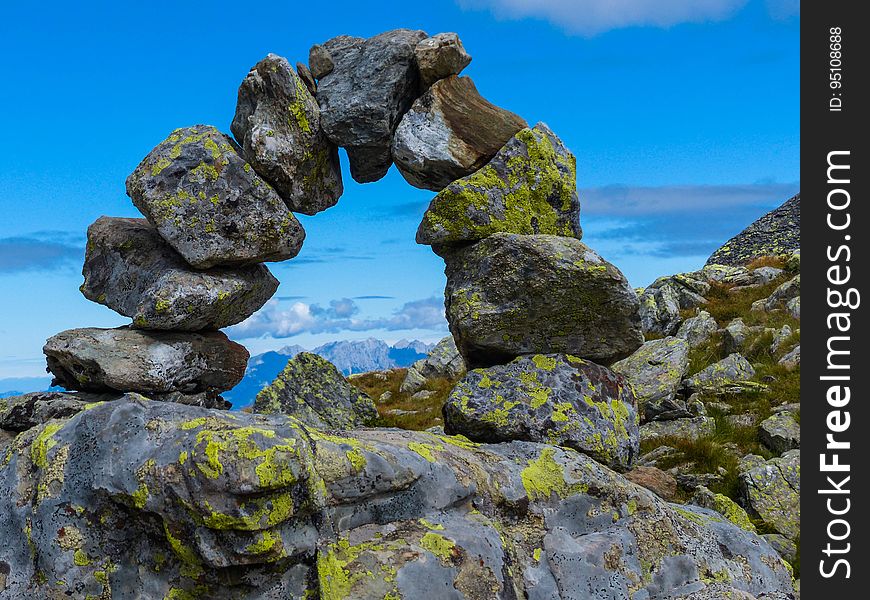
[[401, 410]]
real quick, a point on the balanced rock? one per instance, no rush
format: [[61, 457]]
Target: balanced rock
[[443, 361], [132, 270], [512, 294], [277, 122], [363, 95], [313, 390], [450, 132], [209, 204], [655, 371], [780, 432], [440, 56], [698, 329], [552, 398], [129, 360], [232, 505], [771, 491], [733, 372], [529, 188], [775, 234]]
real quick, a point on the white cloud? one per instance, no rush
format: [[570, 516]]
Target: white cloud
[[277, 320], [590, 17]]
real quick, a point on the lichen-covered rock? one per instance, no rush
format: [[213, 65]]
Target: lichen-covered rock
[[660, 310], [529, 187], [734, 335], [183, 502], [723, 505], [792, 359], [209, 204], [775, 234], [781, 296], [313, 390], [793, 307], [655, 480], [779, 338], [440, 56], [132, 270], [698, 329], [551, 398], [450, 132], [129, 360], [731, 373], [770, 490], [687, 429], [655, 371], [780, 432], [443, 361], [511, 294], [277, 122], [688, 288], [364, 88]]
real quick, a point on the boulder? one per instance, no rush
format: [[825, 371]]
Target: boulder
[[440, 56], [688, 288], [132, 270], [529, 188], [687, 429], [314, 391], [660, 310], [128, 360], [723, 505], [792, 359], [183, 501], [779, 338], [775, 234], [780, 432], [20, 413], [734, 335], [524, 294], [364, 87], [443, 361], [731, 373], [277, 122], [210, 205], [553, 398], [655, 480], [770, 491], [451, 131], [698, 329], [782, 295], [793, 307], [655, 371]]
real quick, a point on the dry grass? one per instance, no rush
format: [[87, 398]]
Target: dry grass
[[777, 262], [400, 410]]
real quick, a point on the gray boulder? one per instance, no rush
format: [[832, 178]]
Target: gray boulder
[[687, 429], [450, 132], [129, 360], [529, 188], [793, 307], [655, 371], [698, 329], [443, 361], [277, 122], [440, 56], [552, 398], [780, 432], [723, 505], [792, 359], [188, 497], [779, 338], [20, 413], [660, 310], [731, 373], [364, 94], [209, 204], [734, 335], [770, 490], [314, 391], [132, 270], [689, 288], [783, 294], [523, 294]]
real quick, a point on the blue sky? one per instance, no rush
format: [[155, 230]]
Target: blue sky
[[683, 115]]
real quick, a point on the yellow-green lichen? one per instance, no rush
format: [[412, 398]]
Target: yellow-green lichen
[[438, 545]]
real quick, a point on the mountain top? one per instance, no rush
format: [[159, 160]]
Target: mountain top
[[777, 233]]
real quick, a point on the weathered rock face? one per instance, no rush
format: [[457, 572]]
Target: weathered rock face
[[551, 398], [209, 204], [198, 502], [132, 270], [687, 428], [443, 361], [127, 360], [525, 294], [20, 413], [723, 505], [771, 491], [732, 372], [660, 310], [655, 480], [311, 389], [277, 122], [440, 56], [775, 234], [363, 95], [698, 329], [529, 187], [655, 371], [780, 432], [450, 132]]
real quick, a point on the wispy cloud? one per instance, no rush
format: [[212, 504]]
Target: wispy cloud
[[374, 297], [43, 250], [279, 321], [591, 17]]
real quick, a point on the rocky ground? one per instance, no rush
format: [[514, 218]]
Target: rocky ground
[[572, 438]]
